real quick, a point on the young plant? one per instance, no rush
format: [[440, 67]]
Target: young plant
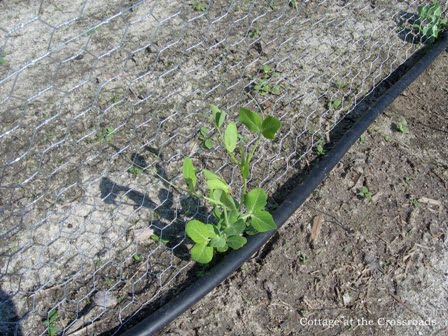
[[207, 141], [430, 21], [233, 218], [334, 104], [320, 150], [264, 86], [51, 322], [254, 32], [199, 6], [364, 193], [106, 134], [402, 126]]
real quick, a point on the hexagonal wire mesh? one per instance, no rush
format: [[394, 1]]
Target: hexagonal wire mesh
[[97, 96]]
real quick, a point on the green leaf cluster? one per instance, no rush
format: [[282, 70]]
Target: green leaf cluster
[[206, 139], [264, 86], [233, 218], [51, 322], [430, 21], [199, 6]]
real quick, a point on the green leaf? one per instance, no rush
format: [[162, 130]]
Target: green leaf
[[262, 221], [202, 253], [236, 242], [230, 137], [251, 120], [235, 228], [215, 182], [218, 116], [208, 143], [218, 242], [228, 201], [199, 232], [275, 90], [270, 126], [189, 174], [223, 249], [255, 200]]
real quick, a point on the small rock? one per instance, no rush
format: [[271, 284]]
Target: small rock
[[143, 235], [346, 299]]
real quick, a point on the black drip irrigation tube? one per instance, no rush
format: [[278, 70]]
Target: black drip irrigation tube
[[231, 262]]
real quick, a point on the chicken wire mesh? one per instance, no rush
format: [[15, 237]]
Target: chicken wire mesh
[[98, 97]]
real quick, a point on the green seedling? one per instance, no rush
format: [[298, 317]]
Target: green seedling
[[430, 21], [234, 218], [106, 134], [402, 126], [135, 170], [207, 141], [51, 322], [254, 32], [364, 193], [293, 4], [157, 238], [340, 85], [334, 104], [362, 139], [264, 86], [415, 203], [137, 258], [320, 150], [199, 6]]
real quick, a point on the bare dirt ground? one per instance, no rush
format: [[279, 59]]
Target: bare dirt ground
[[377, 267]]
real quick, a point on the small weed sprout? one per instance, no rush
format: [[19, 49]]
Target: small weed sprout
[[51, 322], [203, 136], [334, 104], [364, 193], [106, 134], [430, 21], [415, 203], [402, 126], [137, 258], [320, 150], [264, 86], [233, 218], [199, 6], [254, 32]]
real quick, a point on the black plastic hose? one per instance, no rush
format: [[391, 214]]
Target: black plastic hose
[[231, 262]]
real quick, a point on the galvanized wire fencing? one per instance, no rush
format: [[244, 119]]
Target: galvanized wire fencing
[[98, 99]]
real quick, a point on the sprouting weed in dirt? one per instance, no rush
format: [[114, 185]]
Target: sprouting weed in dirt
[[157, 238], [430, 22], [233, 218], [106, 134], [51, 322], [199, 6], [293, 4], [364, 193], [340, 85], [203, 136], [334, 104], [362, 139], [320, 150], [137, 258], [402, 126], [135, 170], [264, 86], [254, 32], [302, 258], [415, 203]]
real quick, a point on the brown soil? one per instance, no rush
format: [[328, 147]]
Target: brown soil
[[376, 268]]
